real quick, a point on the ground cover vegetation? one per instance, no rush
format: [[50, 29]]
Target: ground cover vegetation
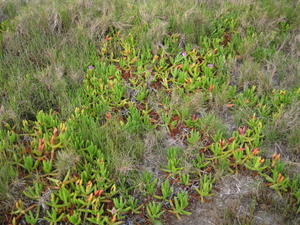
[[134, 112]]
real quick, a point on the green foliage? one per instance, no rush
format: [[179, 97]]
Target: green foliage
[[47, 166], [173, 161], [150, 182], [185, 179], [7, 174], [166, 189], [154, 211], [34, 192], [28, 163], [295, 187], [30, 218], [179, 203], [205, 186], [93, 79], [194, 137]]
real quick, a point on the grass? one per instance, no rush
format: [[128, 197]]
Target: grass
[[129, 112]]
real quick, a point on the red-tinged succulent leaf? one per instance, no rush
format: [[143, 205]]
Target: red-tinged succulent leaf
[[275, 156], [55, 132], [174, 132], [157, 84], [242, 130], [179, 66], [255, 151], [175, 118], [41, 145], [108, 116], [140, 106], [226, 39], [127, 75], [52, 140], [230, 140], [98, 193], [107, 38], [195, 117], [229, 105], [280, 178]]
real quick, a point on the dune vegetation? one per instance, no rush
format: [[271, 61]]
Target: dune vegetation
[[150, 112]]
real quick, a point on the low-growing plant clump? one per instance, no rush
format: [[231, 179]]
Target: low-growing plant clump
[[154, 126]]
